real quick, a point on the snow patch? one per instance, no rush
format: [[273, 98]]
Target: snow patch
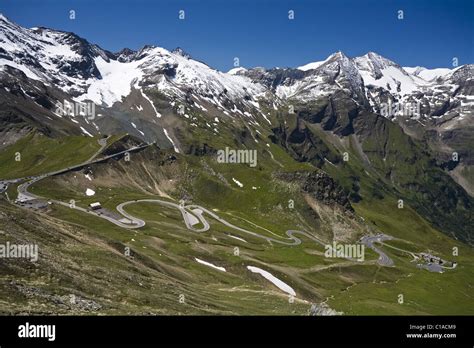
[[153, 105], [210, 264], [171, 140], [238, 238], [90, 192], [86, 132], [28, 72], [310, 66], [391, 77], [277, 282], [237, 182]]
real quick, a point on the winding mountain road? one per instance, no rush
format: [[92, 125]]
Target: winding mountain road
[[192, 214], [369, 241], [197, 211]]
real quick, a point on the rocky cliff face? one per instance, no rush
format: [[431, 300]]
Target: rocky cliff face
[[319, 186]]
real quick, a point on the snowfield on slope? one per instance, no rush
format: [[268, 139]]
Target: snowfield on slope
[[171, 141], [428, 74], [90, 192], [277, 282], [119, 77], [116, 82], [237, 182], [210, 264]]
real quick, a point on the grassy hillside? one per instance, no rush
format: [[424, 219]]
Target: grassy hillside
[[39, 154], [364, 288], [163, 266]]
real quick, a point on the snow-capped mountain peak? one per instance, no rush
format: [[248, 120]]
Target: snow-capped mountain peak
[[339, 55], [381, 72], [181, 52], [373, 64], [125, 55], [54, 57], [85, 71], [314, 65], [173, 73]]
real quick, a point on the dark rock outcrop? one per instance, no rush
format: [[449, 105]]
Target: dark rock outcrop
[[320, 186]]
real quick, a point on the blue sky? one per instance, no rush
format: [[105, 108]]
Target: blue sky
[[259, 32]]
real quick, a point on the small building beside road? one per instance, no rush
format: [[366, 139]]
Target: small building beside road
[[95, 206]]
